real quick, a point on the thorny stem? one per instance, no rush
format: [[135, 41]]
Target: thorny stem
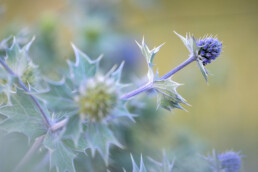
[[23, 86], [148, 86]]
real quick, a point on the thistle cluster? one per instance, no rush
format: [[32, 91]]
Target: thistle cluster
[[97, 98], [80, 112]]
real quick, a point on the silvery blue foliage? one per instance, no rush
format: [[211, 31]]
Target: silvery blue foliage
[[79, 113], [153, 165], [18, 59], [90, 108], [229, 161], [165, 88], [135, 168]]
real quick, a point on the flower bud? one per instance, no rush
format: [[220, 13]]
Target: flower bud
[[230, 161], [210, 49]]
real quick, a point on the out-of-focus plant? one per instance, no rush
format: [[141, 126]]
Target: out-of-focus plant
[[225, 162], [81, 112]]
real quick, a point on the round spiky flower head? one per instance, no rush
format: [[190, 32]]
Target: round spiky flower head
[[230, 161], [210, 49], [97, 98]]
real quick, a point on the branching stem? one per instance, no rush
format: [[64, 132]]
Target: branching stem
[[148, 86], [59, 125], [24, 87]]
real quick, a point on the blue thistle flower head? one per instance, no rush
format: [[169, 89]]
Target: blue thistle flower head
[[210, 49], [230, 161], [227, 162]]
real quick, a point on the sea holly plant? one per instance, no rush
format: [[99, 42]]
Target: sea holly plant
[[18, 59], [229, 161], [79, 113], [89, 102]]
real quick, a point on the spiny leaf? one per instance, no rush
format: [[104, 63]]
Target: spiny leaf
[[4, 43], [23, 116], [185, 40], [60, 156], [135, 166], [164, 166], [202, 69], [149, 57], [168, 98], [83, 67], [73, 129], [17, 58], [59, 97], [190, 43], [81, 146], [116, 75], [195, 48], [99, 138], [121, 111]]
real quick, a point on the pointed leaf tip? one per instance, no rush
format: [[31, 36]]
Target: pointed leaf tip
[[167, 96], [203, 70]]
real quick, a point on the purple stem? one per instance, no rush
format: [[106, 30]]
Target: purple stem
[[137, 91], [179, 67], [148, 86], [23, 86]]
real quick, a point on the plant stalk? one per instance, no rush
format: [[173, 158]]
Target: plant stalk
[[59, 125], [148, 86]]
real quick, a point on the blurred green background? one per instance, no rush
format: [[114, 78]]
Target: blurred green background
[[224, 112]]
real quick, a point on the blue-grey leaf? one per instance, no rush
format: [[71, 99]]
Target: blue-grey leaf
[[73, 129], [23, 116], [202, 69], [116, 75], [190, 43], [61, 157], [59, 97], [149, 57], [167, 96], [83, 68], [185, 40], [17, 58], [165, 165], [142, 167], [100, 138]]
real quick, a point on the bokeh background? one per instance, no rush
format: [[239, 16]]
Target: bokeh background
[[224, 112]]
